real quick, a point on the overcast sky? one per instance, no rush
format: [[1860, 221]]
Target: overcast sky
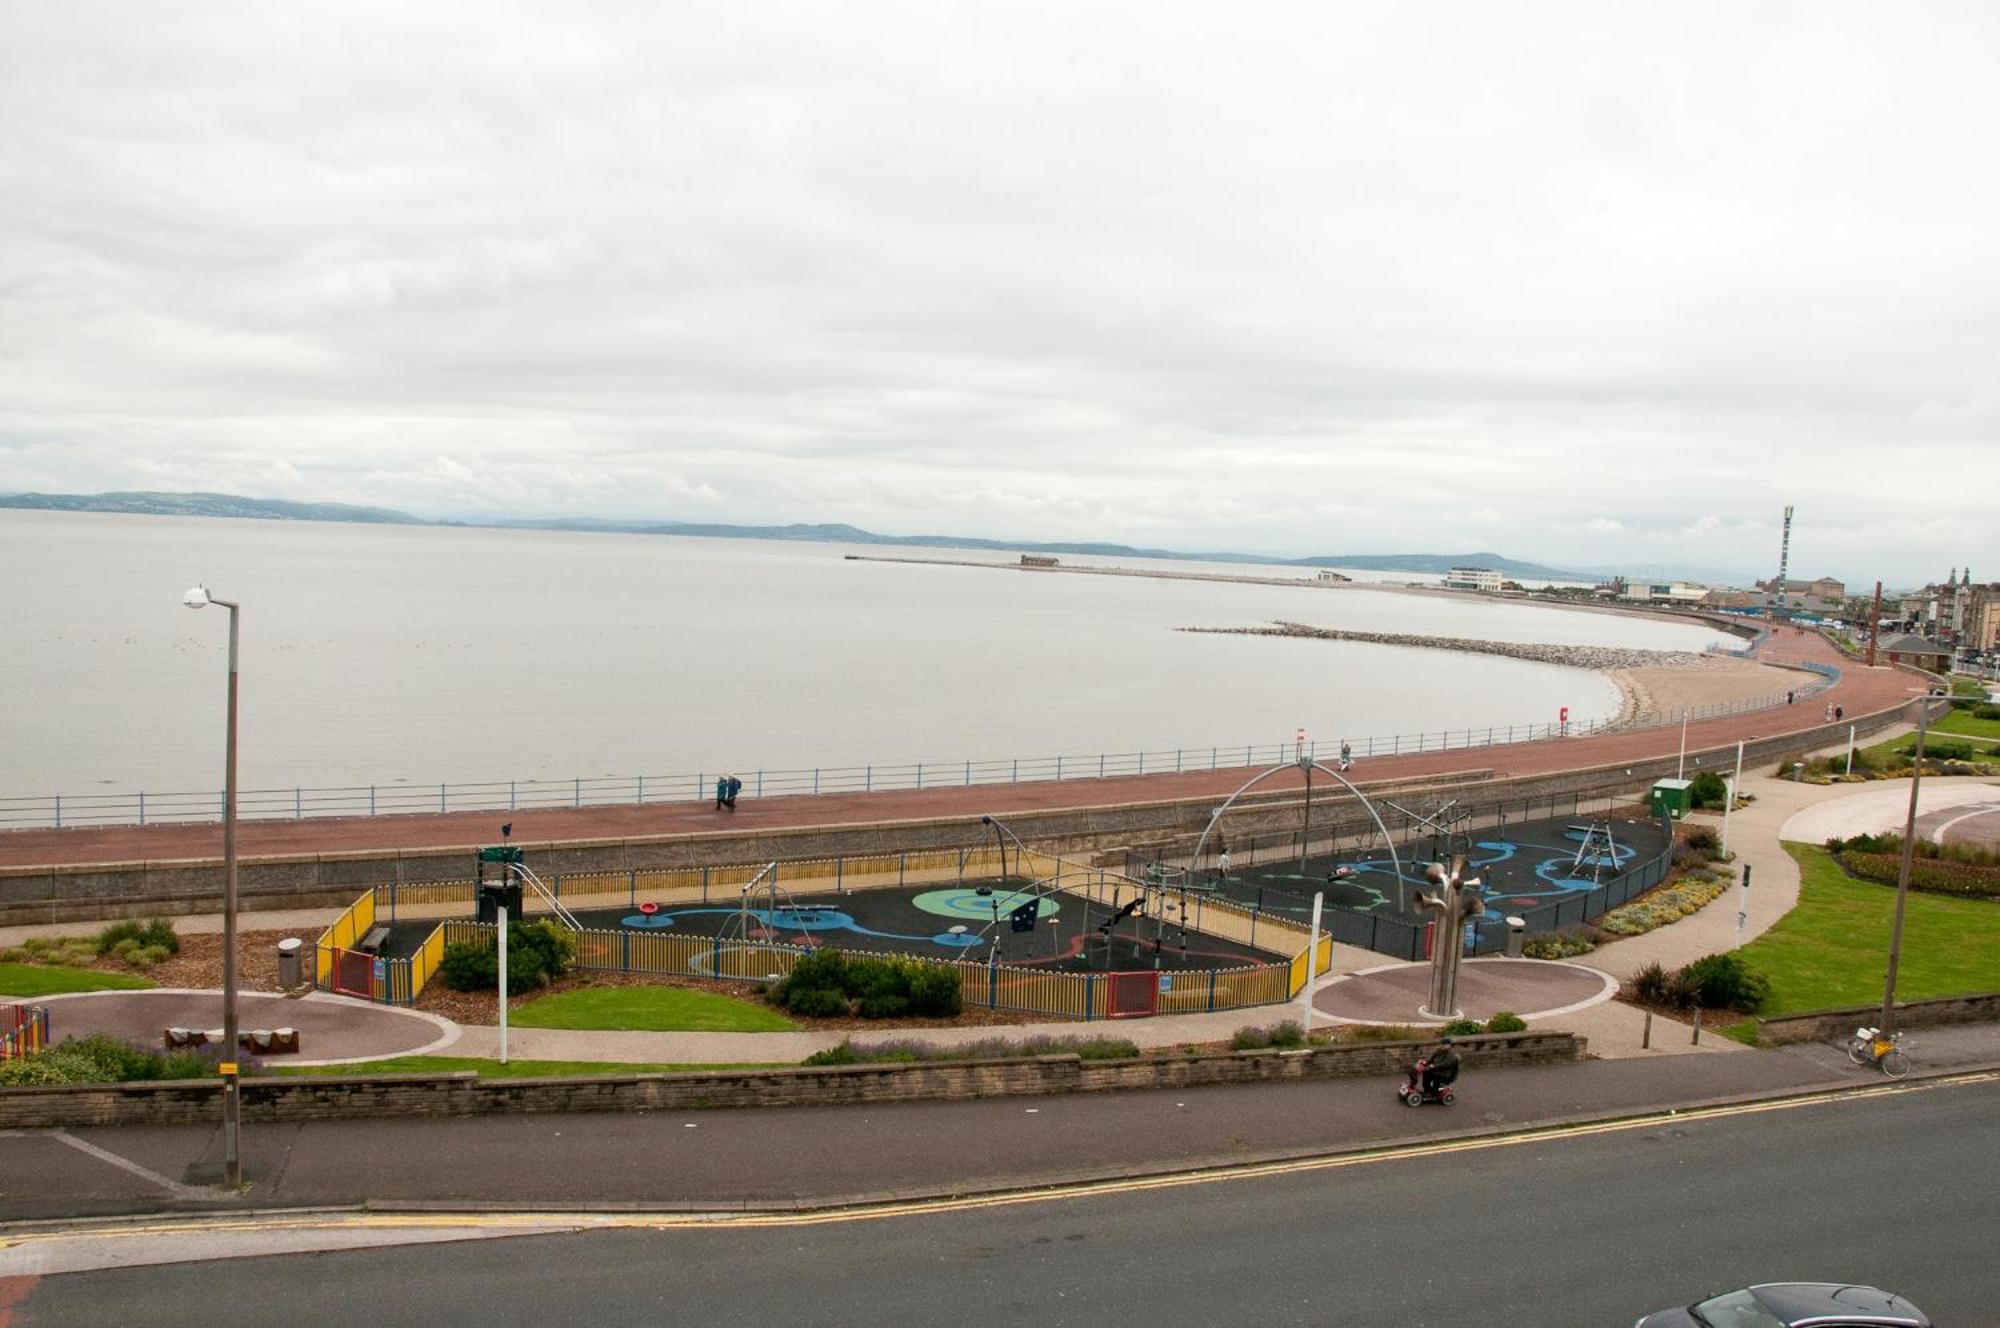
[[1591, 284]]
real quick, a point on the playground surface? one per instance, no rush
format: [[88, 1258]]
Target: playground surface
[[1523, 866], [1004, 921]]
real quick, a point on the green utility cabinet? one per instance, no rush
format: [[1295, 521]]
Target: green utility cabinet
[[1672, 797]]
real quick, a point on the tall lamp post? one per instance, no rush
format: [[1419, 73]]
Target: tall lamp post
[[232, 1099], [1888, 1021]]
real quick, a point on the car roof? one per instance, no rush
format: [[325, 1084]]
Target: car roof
[[1837, 1302]]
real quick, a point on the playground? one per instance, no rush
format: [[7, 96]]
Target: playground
[[1000, 920], [1523, 866]]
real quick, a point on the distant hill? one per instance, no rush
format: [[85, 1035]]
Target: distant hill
[[207, 504], [232, 505]]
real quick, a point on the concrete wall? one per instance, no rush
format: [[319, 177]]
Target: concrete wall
[[450, 1095], [1839, 1025], [55, 894]]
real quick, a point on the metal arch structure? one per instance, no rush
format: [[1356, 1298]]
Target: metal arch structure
[[1215, 818]]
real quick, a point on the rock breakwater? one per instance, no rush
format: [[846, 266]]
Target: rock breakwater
[[1576, 657]]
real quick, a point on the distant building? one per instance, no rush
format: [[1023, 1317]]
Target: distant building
[[1725, 598], [1327, 577], [1915, 650], [1039, 560], [1472, 578], [1663, 592], [1823, 588]]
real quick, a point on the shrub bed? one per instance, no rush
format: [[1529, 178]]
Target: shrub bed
[[102, 1059], [1557, 945], [1712, 982], [1937, 875], [984, 1049], [537, 953], [828, 983], [1663, 904]]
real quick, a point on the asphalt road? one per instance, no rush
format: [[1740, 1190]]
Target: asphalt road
[[1902, 1189]]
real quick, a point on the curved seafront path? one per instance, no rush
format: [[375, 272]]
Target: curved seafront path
[[1861, 692]]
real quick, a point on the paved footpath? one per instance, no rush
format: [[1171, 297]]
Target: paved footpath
[[1861, 691]]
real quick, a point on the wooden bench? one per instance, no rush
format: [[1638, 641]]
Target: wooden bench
[[262, 1041], [372, 943]]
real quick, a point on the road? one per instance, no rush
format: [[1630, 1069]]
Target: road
[[1589, 1228]]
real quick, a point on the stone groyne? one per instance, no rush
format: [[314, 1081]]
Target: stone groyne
[[1576, 657]]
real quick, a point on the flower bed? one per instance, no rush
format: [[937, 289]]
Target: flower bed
[[1667, 903]]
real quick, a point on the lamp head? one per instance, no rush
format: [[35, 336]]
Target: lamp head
[[196, 598], [986, 820]]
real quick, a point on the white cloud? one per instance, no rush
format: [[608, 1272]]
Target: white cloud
[[1580, 284]]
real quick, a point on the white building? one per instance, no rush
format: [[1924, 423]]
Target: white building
[[1664, 592], [1472, 578]]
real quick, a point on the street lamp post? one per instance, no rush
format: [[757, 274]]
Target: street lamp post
[[1888, 1021], [232, 1098]]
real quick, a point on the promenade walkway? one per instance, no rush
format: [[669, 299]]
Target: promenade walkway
[[1861, 691]]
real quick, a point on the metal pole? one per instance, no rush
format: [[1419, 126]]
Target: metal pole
[[1680, 770], [1312, 961], [503, 983], [1729, 799], [232, 1094], [1742, 905], [1888, 1020], [1850, 749]]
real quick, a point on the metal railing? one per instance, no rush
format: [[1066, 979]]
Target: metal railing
[[402, 798]]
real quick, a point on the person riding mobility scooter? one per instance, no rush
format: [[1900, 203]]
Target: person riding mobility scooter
[[1431, 1078]]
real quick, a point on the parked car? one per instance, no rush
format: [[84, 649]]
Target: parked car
[[1793, 1305]]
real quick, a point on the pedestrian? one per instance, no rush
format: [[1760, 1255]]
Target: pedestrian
[[1346, 754], [721, 791], [735, 787], [1839, 713], [1829, 712], [1790, 697], [1222, 865]]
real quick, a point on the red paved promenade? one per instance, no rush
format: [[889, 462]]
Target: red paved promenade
[[1861, 692]]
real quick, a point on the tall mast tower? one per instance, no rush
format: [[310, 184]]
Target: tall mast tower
[[1784, 563]]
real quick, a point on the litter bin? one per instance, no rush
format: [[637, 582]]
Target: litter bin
[[288, 962], [1517, 928]]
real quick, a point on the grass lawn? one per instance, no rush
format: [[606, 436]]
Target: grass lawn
[[493, 1069], [1965, 724], [51, 980], [652, 1010], [1833, 949]]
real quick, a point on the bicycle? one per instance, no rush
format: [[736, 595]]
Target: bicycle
[[1869, 1046]]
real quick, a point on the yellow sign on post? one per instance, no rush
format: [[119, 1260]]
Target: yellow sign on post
[[227, 1069]]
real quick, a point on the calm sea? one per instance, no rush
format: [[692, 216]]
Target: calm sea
[[378, 654]]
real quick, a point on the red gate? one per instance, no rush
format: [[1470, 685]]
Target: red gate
[[1132, 994], [354, 973]]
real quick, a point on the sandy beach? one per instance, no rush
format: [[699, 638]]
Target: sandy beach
[[1660, 691]]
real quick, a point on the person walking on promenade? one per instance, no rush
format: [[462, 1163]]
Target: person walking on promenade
[[1222, 866], [735, 787], [1346, 754], [721, 791]]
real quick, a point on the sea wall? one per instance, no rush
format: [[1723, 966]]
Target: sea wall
[[134, 889]]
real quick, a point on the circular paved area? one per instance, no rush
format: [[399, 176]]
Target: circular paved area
[[1977, 825], [330, 1028], [1528, 987]]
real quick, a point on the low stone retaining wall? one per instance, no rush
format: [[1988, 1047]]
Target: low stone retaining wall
[[1838, 1025], [277, 1100]]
